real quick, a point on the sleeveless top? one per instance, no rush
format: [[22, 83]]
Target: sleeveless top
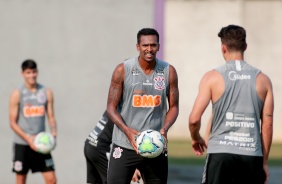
[[102, 132], [32, 110], [144, 100], [236, 115]]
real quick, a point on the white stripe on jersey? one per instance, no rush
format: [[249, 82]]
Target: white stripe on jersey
[[99, 125]]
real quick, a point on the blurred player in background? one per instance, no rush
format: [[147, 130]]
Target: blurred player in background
[[141, 86], [97, 151], [29, 104], [242, 119]]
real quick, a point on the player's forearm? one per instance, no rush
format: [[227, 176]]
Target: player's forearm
[[171, 117], [267, 133], [15, 127], [53, 126], [116, 118], [194, 127]]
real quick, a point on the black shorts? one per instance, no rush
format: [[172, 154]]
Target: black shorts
[[96, 162], [123, 163], [25, 158], [222, 168]]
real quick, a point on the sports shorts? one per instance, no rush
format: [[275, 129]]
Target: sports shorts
[[223, 168], [25, 158], [96, 162], [123, 163]]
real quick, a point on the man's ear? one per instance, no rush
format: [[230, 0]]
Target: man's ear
[[223, 48], [246, 46]]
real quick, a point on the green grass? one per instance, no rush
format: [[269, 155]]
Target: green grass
[[180, 152]]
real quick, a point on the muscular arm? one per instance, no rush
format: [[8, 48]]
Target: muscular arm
[[265, 92], [208, 130], [173, 100], [114, 96], [13, 116], [50, 112], [201, 103], [267, 119]]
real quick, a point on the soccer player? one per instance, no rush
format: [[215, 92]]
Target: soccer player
[[141, 86], [242, 120], [97, 151], [29, 104]]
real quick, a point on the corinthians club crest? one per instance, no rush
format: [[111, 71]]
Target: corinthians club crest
[[159, 83]]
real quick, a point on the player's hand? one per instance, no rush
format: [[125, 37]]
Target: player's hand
[[136, 176], [199, 146], [131, 135], [266, 171], [30, 141], [54, 133], [164, 134]]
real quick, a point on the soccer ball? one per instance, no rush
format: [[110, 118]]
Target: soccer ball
[[150, 143], [44, 142]]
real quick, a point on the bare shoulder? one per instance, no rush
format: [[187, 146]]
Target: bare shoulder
[[49, 94], [15, 94], [211, 76], [263, 79], [172, 71], [120, 67], [118, 74], [263, 86]]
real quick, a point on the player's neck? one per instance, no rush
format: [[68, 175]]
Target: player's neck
[[234, 56], [31, 87], [147, 67]]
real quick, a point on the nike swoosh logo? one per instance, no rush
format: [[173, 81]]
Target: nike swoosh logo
[[133, 84]]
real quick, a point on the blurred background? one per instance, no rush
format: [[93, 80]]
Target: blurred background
[[78, 43]]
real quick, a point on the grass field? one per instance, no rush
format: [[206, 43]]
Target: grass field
[[180, 152]]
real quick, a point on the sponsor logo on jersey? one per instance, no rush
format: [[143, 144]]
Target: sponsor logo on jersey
[[139, 92], [30, 97], [241, 145], [41, 97], [239, 124], [160, 72], [135, 83], [135, 71], [146, 100], [229, 115], [33, 111], [117, 152], [234, 76], [147, 83], [159, 83], [24, 91]]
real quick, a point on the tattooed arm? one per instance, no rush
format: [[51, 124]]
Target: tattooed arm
[[50, 112], [114, 97], [173, 100], [265, 92]]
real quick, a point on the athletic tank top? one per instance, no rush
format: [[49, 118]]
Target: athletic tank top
[[102, 132], [144, 100], [32, 108], [236, 115]]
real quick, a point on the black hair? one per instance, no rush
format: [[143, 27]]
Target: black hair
[[234, 37], [147, 31], [29, 64]]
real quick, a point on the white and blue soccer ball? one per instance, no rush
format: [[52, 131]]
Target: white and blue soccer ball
[[44, 142], [150, 143]]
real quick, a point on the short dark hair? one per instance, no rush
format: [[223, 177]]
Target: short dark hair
[[234, 37], [147, 31], [29, 64]]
